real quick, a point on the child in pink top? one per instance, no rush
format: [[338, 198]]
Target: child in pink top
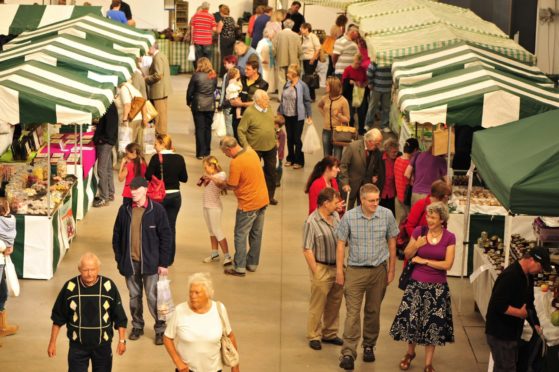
[[133, 165]]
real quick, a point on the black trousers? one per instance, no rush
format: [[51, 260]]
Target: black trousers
[[388, 203], [172, 204], [330, 71], [294, 129], [309, 69], [235, 123], [203, 132], [269, 158], [225, 49], [101, 358]]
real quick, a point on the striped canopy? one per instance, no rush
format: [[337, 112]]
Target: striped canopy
[[426, 65], [475, 96], [71, 52], [16, 19], [400, 28], [34, 92], [95, 28], [340, 4]]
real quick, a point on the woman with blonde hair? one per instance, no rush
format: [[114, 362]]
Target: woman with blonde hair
[[274, 25], [169, 167], [214, 175], [200, 98], [335, 110]]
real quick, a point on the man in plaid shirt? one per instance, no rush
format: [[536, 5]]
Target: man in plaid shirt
[[371, 232]]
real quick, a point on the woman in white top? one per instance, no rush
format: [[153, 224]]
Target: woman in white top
[[311, 48], [265, 50], [193, 333]]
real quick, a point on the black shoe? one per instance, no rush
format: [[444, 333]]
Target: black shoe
[[347, 363], [273, 201], [368, 354], [232, 271], [158, 339], [100, 203], [334, 341], [135, 334], [315, 345]]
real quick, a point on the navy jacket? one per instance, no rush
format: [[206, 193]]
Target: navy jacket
[[156, 239]]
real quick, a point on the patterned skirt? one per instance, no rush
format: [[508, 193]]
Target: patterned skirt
[[425, 315]]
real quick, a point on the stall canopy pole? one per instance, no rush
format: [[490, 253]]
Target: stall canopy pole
[[466, 242], [48, 170], [507, 238], [75, 149], [448, 165]]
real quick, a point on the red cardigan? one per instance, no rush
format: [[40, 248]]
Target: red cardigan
[[417, 215], [317, 186]]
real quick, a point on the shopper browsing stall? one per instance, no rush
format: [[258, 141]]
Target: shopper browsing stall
[[7, 237]]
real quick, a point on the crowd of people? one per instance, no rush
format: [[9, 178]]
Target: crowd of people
[[366, 199]]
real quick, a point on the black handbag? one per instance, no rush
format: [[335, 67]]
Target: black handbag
[[408, 270], [312, 80]]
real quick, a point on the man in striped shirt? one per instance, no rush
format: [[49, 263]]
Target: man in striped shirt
[[379, 80], [319, 248], [203, 25], [345, 49]]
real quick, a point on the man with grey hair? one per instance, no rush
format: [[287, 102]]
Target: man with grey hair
[[90, 307], [159, 82], [386, 181], [257, 130], [345, 48], [247, 181], [287, 50], [203, 25], [360, 164]]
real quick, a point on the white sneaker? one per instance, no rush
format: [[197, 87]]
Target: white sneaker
[[227, 261], [210, 258], [386, 130]]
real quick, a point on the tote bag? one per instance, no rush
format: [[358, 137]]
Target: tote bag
[[11, 277]]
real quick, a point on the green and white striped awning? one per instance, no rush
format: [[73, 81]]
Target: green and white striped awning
[[475, 96], [71, 52], [422, 66], [340, 4], [34, 92], [16, 19], [95, 28]]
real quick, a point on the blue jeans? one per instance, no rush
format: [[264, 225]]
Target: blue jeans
[[375, 99], [228, 115], [202, 51], [328, 147], [248, 225], [3, 288]]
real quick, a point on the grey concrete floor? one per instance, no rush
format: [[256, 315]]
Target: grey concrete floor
[[267, 309]]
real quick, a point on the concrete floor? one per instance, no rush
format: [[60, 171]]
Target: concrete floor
[[267, 309]]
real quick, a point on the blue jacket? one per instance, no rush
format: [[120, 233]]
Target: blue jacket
[[156, 239], [304, 101], [242, 61]]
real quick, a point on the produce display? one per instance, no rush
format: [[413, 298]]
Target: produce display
[[480, 196]]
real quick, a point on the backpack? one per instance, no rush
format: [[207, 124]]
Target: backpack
[[228, 30]]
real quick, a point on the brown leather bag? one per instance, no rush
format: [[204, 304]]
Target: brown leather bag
[[135, 107], [342, 135]]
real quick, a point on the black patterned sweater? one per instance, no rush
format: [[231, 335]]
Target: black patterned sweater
[[89, 313]]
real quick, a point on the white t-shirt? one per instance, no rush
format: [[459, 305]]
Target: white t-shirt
[[212, 192], [233, 90], [197, 336]]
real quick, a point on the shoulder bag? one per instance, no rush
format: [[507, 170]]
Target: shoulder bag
[[156, 187], [408, 269], [136, 105], [229, 354]]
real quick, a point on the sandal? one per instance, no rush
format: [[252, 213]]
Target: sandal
[[429, 368], [406, 361]]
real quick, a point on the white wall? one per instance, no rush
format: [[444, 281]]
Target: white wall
[[150, 13], [547, 40], [321, 17]]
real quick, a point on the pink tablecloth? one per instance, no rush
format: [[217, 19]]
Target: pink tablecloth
[[88, 160]]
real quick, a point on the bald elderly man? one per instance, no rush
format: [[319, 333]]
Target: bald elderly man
[[90, 307]]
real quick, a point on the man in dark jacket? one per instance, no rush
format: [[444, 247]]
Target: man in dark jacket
[[142, 244], [105, 137], [512, 302]]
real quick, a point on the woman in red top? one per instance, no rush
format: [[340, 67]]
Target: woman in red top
[[133, 165], [410, 147], [354, 75], [323, 175], [440, 192]]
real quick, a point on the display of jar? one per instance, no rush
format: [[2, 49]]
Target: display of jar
[[61, 168]]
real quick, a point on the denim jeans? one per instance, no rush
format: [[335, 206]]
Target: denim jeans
[[248, 225], [376, 98], [105, 170], [135, 283], [228, 115], [3, 288], [202, 51], [329, 148], [101, 358], [203, 132], [172, 204]]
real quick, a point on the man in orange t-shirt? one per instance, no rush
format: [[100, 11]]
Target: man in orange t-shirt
[[246, 179]]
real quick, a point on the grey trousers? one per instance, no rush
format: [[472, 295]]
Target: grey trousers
[[105, 170], [504, 352], [149, 283]]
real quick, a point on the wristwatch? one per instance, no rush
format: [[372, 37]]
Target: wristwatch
[[122, 341]]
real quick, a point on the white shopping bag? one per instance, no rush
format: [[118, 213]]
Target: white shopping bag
[[218, 124], [165, 305], [311, 141], [11, 277], [149, 140], [124, 137], [191, 53]]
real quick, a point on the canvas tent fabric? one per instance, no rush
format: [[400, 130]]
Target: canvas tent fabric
[[475, 96], [340, 4], [95, 28], [16, 18], [426, 65], [35, 92], [520, 163], [74, 53]]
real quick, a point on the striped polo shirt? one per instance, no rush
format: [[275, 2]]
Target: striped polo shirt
[[380, 78], [319, 236], [346, 49], [202, 24]]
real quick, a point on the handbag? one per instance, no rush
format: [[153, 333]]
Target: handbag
[[440, 140], [343, 134], [156, 187], [358, 94], [312, 80], [151, 111], [11, 277], [408, 269], [136, 105], [229, 354]]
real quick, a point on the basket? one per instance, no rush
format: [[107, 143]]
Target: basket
[[174, 69]]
